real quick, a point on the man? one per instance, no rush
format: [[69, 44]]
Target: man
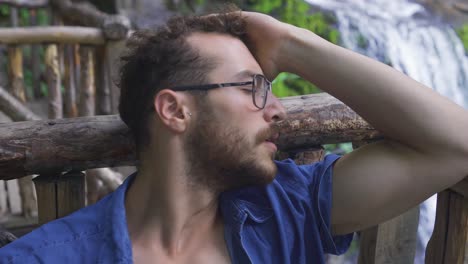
[[196, 96]]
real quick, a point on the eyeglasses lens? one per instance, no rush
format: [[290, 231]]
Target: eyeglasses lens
[[261, 90]]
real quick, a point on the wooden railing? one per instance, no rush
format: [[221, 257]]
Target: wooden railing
[[78, 64], [58, 150]]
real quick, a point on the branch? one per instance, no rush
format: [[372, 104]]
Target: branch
[[14, 108], [114, 26], [51, 34]]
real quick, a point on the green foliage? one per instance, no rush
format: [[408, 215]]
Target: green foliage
[[4, 10], [341, 148], [298, 13], [362, 41], [288, 84], [463, 34]]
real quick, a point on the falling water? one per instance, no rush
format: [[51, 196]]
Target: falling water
[[404, 35]]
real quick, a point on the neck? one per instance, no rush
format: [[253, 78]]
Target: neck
[[163, 209]]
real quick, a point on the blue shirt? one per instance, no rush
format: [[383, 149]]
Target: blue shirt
[[287, 221]]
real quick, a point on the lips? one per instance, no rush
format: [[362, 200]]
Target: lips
[[273, 138]]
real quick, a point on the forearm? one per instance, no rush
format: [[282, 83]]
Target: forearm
[[399, 107]]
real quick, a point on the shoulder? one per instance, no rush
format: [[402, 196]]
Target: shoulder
[[63, 239], [291, 175]]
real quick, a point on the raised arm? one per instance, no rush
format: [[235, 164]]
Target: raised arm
[[426, 145]]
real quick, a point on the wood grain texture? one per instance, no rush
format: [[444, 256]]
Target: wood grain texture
[[448, 244], [52, 34], [397, 238], [53, 82], [15, 70], [85, 14], [88, 88], [46, 191], [71, 194]]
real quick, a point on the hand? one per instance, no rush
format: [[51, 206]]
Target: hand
[[266, 39]]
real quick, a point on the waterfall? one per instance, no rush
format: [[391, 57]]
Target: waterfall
[[404, 35]]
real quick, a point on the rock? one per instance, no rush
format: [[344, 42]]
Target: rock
[[463, 7]]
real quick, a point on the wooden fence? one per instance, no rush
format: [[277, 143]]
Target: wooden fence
[[58, 150]]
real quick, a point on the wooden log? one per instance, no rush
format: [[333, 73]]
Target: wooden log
[[448, 243], [25, 3], [52, 34], [114, 26], [14, 109], [396, 239], [88, 88], [70, 106], [64, 145], [313, 120], [53, 82]]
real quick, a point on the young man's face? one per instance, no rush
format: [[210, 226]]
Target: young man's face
[[228, 145]]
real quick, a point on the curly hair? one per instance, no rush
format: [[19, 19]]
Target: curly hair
[[161, 58]]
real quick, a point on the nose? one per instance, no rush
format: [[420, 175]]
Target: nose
[[274, 111]]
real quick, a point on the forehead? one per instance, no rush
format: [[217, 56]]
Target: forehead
[[233, 59]]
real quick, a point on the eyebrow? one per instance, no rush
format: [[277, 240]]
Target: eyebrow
[[245, 73]]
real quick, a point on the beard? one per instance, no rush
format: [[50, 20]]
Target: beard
[[221, 157]]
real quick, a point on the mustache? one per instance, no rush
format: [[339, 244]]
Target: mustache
[[267, 133]]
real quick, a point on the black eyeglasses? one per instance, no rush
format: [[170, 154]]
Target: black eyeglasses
[[260, 87]]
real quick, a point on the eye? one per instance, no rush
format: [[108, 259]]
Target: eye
[[249, 90]]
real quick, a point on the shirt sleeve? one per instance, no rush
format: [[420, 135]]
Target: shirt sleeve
[[320, 187]]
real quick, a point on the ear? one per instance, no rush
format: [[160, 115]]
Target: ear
[[172, 109]]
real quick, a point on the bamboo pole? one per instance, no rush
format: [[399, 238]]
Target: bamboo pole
[[52, 34], [103, 87], [88, 88], [53, 82], [15, 59], [35, 60], [71, 109]]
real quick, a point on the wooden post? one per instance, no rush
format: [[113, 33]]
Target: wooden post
[[46, 191], [113, 51], [71, 109], [71, 193], [103, 86], [35, 59], [367, 244], [15, 59], [59, 195], [53, 82], [396, 239], [448, 243], [87, 91]]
